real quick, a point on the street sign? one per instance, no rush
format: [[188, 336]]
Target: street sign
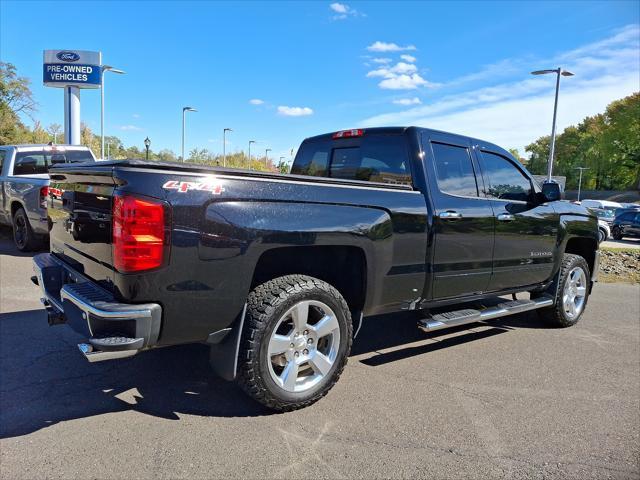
[[72, 68]]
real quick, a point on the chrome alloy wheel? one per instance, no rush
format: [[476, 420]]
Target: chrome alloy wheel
[[575, 292], [303, 346]]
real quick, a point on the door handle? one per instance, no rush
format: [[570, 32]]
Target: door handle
[[505, 217], [449, 215]]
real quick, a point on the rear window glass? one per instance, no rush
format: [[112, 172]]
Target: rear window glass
[[377, 158], [31, 163]]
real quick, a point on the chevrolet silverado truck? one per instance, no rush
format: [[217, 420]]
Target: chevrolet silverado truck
[[24, 187], [276, 272]]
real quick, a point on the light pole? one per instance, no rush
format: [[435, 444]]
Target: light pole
[[250, 142], [224, 146], [184, 111], [103, 69], [565, 73], [580, 180], [266, 156], [147, 143]]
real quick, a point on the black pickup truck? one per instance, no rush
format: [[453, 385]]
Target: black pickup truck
[[276, 272]]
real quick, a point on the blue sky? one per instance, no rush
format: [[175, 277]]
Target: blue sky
[[313, 67]]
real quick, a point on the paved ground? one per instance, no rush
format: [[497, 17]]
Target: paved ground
[[632, 243], [514, 400]]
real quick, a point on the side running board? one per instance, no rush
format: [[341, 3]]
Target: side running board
[[469, 315]]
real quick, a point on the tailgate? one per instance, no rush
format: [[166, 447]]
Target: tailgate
[[79, 210]]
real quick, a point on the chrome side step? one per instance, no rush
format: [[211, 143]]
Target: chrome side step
[[463, 317], [99, 355]]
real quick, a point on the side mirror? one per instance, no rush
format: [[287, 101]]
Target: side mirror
[[551, 191]]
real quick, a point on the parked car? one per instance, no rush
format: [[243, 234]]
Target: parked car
[[626, 224], [604, 230], [276, 272], [24, 181], [601, 204]]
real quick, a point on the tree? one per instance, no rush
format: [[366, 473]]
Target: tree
[[54, 130], [15, 99]]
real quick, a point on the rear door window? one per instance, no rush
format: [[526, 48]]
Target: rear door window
[[33, 163], [372, 158], [454, 170]]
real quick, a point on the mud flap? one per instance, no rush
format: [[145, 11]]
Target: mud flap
[[223, 356]]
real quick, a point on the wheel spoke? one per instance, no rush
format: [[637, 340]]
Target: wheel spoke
[[320, 363], [325, 326], [300, 315], [289, 376], [279, 344], [581, 291], [572, 307]]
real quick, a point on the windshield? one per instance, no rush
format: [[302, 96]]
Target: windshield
[[604, 213], [33, 163]]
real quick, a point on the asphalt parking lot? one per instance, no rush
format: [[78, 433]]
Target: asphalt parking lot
[[513, 399]]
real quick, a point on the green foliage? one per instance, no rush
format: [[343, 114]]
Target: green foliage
[[607, 144]]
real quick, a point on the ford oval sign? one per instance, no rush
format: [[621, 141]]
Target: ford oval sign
[[68, 56]]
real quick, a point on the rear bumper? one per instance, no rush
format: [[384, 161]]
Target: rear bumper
[[112, 329]]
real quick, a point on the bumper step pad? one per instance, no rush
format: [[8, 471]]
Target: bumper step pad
[[116, 343]]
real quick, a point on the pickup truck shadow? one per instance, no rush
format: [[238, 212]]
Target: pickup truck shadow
[[44, 380], [7, 247]]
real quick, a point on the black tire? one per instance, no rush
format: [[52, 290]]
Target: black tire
[[23, 235], [602, 235], [267, 304], [617, 233], [557, 316]]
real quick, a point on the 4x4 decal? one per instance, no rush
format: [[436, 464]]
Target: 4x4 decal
[[213, 186]]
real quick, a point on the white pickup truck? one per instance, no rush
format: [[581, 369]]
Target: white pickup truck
[[24, 187]]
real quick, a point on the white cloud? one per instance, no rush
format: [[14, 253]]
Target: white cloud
[[391, 72], [408, 58], [339, 7], [408, 101], [516, 113], [256, 101], [343, 11], [383, 61], [130, 128], [294, 111], [388, 47], [404, 82], [136, 115]]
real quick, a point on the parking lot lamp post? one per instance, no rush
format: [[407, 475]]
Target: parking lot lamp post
[[565, 73], [103, 70], [266, 156], [184, 111], [580, 179], [147, 143], [250, 142], [224, 146]]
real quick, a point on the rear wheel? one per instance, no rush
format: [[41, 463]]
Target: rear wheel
[[571, 291], [296, 340], [23, 235]]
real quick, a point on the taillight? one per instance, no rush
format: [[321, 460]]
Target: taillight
[[138, 233], [44, 193], [349, 133]]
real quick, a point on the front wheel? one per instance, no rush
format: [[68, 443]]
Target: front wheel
[[617, 233], [571, 292], [295, 341]]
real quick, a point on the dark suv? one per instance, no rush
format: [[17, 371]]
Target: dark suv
[[627, 224]]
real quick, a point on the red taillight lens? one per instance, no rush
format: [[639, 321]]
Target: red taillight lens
[[138, 233], [349, 133], [44, 193]]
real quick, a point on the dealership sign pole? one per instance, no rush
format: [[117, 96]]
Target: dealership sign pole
[[72, 70]]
